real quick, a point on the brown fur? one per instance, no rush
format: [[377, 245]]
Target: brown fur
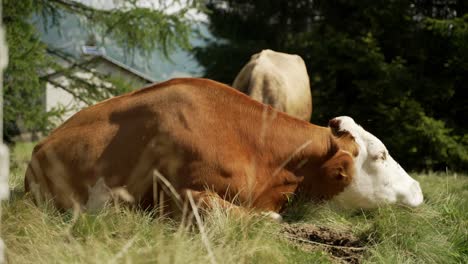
[[204, 137]]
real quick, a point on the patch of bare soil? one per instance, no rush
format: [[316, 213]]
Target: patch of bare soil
[[344, 247]]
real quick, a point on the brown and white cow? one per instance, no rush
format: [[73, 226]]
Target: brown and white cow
[[277, 79], [215, 143]]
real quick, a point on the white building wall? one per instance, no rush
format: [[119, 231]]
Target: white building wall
[[59, 98], [56, 98]]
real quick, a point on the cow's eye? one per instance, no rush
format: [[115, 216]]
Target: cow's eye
[[381, 156], [384, 155]]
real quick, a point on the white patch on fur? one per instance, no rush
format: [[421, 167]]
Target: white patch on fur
[[378, 179], [272, 215], [40, 197], [36, 191], [98, 196]]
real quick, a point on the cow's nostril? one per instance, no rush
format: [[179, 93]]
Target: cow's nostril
[[415, 194]]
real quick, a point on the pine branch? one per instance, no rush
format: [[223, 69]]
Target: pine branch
[[76, 95], [73, 6]]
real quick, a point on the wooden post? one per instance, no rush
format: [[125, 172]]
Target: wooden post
[[4, 153]]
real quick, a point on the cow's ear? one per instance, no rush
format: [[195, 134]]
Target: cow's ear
[[339, 168], [340, 174]]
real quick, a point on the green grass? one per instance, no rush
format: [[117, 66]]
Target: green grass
[[436, 232]]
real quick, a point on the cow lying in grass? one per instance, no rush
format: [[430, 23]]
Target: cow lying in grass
[[201, 138]]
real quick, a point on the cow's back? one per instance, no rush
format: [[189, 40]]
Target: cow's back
[[278, 79]]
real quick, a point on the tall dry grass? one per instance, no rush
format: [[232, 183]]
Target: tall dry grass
[[433, 233]]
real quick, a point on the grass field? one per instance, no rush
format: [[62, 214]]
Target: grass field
[[436, 232]]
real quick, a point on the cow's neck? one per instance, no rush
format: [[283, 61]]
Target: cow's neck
[[321, 178], [304, 143], [302, 152]]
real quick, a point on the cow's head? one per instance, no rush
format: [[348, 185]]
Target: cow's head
[[378, 179]]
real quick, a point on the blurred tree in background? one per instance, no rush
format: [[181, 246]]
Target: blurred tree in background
[[23, 91], [399, 68], [131, 25]]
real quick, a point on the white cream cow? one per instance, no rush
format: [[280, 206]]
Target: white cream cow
[[277, 79]]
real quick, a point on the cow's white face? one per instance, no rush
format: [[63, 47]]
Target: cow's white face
[[379, 179]]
